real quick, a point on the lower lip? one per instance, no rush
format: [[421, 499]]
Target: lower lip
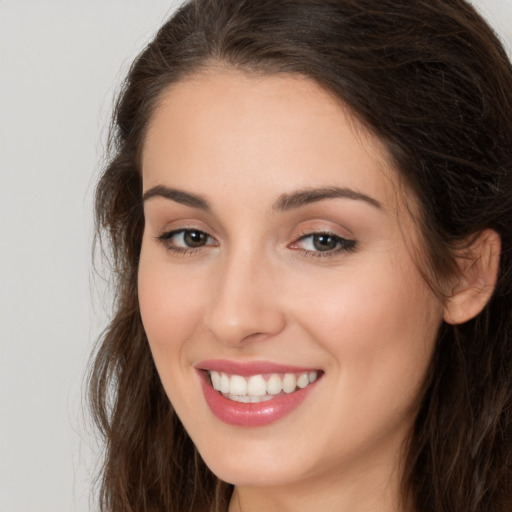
[[252, 415]]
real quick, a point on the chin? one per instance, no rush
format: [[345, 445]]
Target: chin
[[244, 473], [255, 463]]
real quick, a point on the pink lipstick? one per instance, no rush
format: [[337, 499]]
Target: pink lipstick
[[252, 394]]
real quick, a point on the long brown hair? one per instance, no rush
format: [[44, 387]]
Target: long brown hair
[[429, 78]]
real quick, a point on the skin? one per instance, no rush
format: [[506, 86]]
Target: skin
[[259, 290]]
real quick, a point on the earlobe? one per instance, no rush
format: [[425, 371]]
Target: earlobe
[[477, 279]]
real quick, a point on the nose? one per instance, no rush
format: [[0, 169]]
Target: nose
[[245, 305]]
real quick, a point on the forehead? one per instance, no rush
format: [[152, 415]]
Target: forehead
[[282, 131]]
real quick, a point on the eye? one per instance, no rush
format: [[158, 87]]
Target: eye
[[323, 244], [186, 240]]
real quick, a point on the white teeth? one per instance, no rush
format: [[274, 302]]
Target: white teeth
[[274, 385], [256, 389], [215, 380], [238, 385], [224, 383], [256, 386], [289, 383], [303, 380]]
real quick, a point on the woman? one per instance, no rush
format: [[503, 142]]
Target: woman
[[309, 208]]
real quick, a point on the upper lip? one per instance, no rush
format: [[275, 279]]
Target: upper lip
[[247, 368]]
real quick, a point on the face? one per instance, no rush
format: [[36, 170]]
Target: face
[[287, 319]]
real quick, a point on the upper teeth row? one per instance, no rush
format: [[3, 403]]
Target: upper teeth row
[[256, 385]]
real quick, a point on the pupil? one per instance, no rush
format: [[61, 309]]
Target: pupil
[[324, 242], [194, 238]]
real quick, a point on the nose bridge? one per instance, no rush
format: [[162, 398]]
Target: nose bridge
[[245, 302]]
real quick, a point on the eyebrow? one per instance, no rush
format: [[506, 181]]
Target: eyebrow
[[179, 196], [284, 203], [304, 197]]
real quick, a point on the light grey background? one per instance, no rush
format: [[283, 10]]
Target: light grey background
[[60, 63]]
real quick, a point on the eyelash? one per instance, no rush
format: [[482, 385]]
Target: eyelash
[[342, 244], [166, 240]]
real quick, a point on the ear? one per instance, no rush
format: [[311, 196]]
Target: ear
[[477, 279]]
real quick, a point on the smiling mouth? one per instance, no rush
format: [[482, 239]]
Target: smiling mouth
[[260, 387]]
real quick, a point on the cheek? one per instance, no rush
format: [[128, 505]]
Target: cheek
[[379, 325], [379, 328], [169, 305], [160, 309], [170, 313]]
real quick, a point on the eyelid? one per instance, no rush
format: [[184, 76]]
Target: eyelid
[[344, 244], [183, 247], [165, 238]]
